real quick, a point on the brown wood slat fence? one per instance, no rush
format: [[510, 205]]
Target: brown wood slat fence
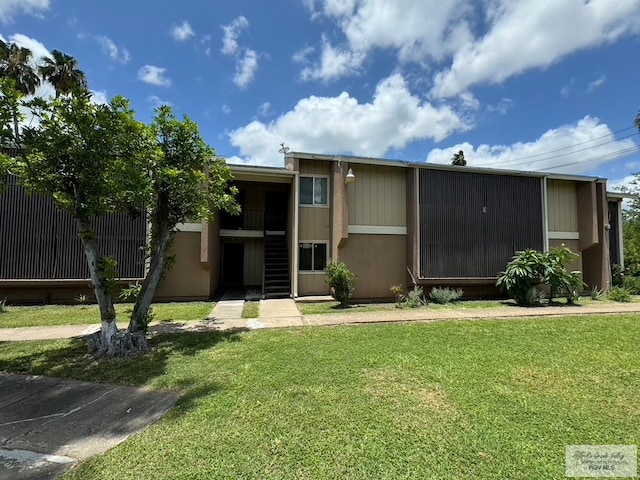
[[37, 241], [472, 224]]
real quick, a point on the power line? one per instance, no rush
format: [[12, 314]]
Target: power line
[[519, 162], [635, 148], [570, 146]]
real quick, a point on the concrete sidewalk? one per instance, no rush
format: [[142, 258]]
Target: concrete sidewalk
[[48, 424], [278, 313]]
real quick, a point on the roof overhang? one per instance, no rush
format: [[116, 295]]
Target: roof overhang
[[252, 173], [433, 166]]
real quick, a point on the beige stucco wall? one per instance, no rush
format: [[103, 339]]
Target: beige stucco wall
[[379, 261], [315, 223], [253, 261], [312, 284], [315, 167], [188, 278], [378, 196], [562, 200], [572, 245]]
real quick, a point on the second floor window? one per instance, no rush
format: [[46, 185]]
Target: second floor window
[[314, 191]]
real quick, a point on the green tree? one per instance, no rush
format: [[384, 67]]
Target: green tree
[[458, 159], [15, 64], [62, 72], [91, 160], [187, 181]]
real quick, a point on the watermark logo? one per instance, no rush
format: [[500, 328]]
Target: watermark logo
[[601, 461]]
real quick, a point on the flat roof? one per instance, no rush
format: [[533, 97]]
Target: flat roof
[[434, 166]]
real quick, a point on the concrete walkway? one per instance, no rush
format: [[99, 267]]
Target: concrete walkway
[[276, 313], [48, 424]]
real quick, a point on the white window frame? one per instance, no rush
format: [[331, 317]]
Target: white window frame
[[313, 243], [315, 205]]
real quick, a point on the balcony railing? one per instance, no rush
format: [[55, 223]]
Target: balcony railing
[[247, 220]]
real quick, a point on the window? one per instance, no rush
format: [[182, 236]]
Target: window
[[313, 257], [314, 191]]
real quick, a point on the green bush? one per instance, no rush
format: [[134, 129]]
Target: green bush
[[632, 284], [415, 297], [341, 280], [619, 294], [3, 305], [130, 294], [530, 268], [445, 295], [522, 273]]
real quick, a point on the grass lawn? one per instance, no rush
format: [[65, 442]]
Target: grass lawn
[[50, 315], [334, 307], [454, 400], [251, 310]]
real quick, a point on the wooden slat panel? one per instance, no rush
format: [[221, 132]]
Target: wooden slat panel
[[37, 241], [472, 224], [563, 206], [378, 197]]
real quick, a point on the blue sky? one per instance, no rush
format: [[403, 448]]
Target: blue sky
[[547, 84]]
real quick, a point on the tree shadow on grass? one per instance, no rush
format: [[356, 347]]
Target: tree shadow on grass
[[69, 359]]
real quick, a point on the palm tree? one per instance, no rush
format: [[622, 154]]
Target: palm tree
[[62, 72], [15, 65]]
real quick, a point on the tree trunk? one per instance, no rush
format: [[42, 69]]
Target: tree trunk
[[109, 328], [140, 315]]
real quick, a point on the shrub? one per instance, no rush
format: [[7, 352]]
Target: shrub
[[555, 274], [617, 275], [522, 273], [530, 268], [632, 284], [415, 297], [596, 294], [534, 297], [619, 294], [130, 293], [444, 295], [398, 293], [3, 305], [341, 280]]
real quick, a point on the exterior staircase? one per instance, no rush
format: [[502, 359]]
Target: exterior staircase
[[276, 266]]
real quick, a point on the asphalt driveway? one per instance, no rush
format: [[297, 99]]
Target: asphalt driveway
[[48, 424]]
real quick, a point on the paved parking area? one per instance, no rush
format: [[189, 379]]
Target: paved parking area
[[48, 424]]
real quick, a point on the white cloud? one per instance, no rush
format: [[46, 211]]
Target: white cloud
[[153, 75], [246, 58], [301, 56], [11, 8], [392, 119], [37, 48], [334, 63], [108, 47], [231, 34], [182, 32], [597, 83], [264, 109], [525, 35], [226, 109], [467, 42], [246, 68], [99, 97], [156, 101], [576, 148]]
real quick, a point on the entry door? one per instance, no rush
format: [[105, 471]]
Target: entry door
[[232, 264], [276, 210]]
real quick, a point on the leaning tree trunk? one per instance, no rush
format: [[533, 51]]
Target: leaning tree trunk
[[140, 315], [105, 343]]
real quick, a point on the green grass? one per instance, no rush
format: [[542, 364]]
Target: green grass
[[317, 308], [51, 315], [251, 310], [454, 400]]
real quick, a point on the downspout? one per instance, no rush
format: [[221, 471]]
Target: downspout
[[296, 234], [545, 210]]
